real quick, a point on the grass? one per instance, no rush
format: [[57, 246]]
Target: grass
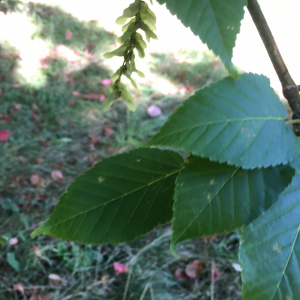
[[54, 130]]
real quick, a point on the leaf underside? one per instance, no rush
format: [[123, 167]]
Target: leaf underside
[[216, 22], [120, 199], [212, 198], [270, 250], [239, 122]]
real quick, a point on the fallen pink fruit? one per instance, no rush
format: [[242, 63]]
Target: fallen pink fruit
[[13, 241], [120, 268], [75, 93], [106, 81], [154, 111], [102, 97], [68, 35], [4, 135]]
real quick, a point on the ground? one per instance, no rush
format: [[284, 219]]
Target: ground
[[53, 79]]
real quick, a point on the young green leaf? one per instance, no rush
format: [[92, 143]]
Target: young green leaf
[[120, 199], [148, 32], [212, 198], [140, 40], [117, 74], [127, 34], [3, 239], [240, 122], [216, 22], [131, 80], [131, 11], [128, 99], [11, 259], [140, 50], [270, 250], [117, 52], [110, 99], [134, 69], [121, 20], [125, 27]]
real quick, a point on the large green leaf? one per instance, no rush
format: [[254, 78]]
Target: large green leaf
[[216, 22], [212, 198], [240, 122], [120, 199], [270, 250]]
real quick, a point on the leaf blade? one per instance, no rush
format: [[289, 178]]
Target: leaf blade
[[106, 203], [274, 238], [228, 121], [212, 198], [216, 22]]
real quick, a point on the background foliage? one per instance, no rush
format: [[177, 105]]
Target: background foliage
[[70, 134]]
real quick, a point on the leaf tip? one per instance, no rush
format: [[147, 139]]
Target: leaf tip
[[40, 230], [173, 252]]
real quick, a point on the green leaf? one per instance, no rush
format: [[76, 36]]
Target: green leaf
[[131, 10], [110, 99], [241, 122], [121, 20], [3, 239], [131, 80], [127, 34], [128, 99], [117, 74], [125, 27], [120, 199], [148, 32], [119, 51], [212, 198], [270, 250], [216, 22], [12, 261]]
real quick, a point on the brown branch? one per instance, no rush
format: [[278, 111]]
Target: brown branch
[[289, 88]]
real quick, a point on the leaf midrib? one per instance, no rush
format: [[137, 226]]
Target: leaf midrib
[[217, 25], [288, 260], [217, 122], [114, 199]]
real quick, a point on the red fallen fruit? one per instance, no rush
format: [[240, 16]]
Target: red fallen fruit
[[215, 274], [4, 135], [106, 81], [120, 268], [91, 96], [68, 35], [180, 274], [102, 97], [194, 268]]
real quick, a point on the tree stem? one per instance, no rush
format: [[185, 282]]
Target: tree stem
[[289, 88]]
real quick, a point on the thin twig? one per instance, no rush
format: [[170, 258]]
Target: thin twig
[[293, 122], [289, 88], [212, 285]]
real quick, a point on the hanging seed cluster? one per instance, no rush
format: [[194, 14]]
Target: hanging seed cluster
[[141, 17]]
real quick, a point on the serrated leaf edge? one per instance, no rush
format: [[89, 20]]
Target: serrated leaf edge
[[40, 230], [292, 248], [210, 157]]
